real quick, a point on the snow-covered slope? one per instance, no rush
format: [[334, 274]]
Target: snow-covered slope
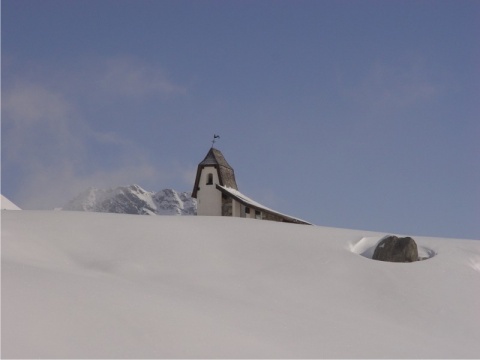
[[7, 204], [134, 200], [90, 285]]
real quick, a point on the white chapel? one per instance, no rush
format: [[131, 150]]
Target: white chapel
[[217, 193]]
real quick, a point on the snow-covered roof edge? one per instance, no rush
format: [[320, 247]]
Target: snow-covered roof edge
[[245, 200]]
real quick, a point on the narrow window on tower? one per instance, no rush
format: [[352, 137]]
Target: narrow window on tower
[[210, 179]]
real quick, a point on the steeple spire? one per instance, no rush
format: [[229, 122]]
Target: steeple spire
[[217, 163]]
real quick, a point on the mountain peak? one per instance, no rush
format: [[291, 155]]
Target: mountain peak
[[133, 199]]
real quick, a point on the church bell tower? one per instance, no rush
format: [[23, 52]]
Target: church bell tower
[[212, 171]]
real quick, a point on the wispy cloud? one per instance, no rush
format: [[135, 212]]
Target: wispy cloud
[[386, 87], [47, 139], [28, 102], [39, 126], [131, 77]]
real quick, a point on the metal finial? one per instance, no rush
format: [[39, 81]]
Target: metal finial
[[215, 137]]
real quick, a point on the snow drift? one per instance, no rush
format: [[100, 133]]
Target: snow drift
[[6, 204], [90, 285]]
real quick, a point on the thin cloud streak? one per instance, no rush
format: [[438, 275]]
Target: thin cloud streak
[[388, 87], [130, 77], [47, 138], [40, 126]]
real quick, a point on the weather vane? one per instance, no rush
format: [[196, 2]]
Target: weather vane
[[215, 137]]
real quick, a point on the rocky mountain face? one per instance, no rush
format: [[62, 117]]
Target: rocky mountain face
[[134, 200]]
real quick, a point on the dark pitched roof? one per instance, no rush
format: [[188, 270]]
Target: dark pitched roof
[[215, 157], [226, 174]]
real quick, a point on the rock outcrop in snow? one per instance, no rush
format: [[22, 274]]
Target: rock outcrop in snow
[[396, 249], [134, 200]]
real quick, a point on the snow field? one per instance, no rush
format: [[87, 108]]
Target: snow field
[[94, 285], [6, 204]]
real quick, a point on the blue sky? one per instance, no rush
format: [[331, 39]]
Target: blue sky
[[357, 114]]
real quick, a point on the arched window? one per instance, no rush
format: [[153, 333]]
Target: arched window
[[210, 179]]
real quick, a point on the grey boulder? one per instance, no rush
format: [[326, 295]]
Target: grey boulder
[[396, 249]]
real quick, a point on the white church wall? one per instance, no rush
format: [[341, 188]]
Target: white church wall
[[249, 213], [236, 208], [209, 199]]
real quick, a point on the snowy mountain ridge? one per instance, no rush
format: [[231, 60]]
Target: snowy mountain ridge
[[133, 199]]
